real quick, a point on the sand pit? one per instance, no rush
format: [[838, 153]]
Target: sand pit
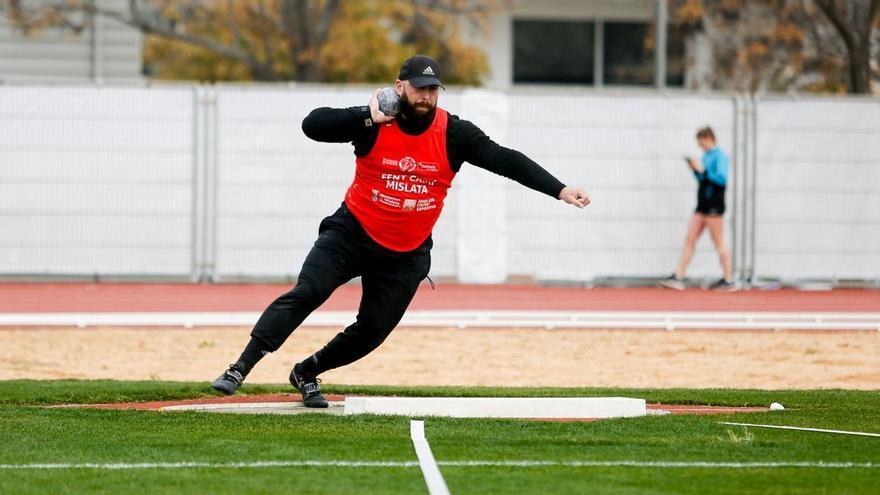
[[565, 358]]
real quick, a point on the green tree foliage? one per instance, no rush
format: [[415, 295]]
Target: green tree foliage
[[283, 40]]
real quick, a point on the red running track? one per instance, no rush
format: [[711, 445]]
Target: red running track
[[121, 297]]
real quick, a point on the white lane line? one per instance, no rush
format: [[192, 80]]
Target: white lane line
[[475, 463], [433, 478], [779, 427], [726, 320]]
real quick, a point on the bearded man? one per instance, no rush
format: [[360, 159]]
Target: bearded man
[[382, 231]]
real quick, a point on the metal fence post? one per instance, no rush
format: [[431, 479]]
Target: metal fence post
[[751, 201], [211, 184], [743, 251], [204, 184], [741, 181], [198, 179]]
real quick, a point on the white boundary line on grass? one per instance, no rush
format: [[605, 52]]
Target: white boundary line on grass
[[218, 465], [664, 464], [476, 463], [780, 427], [427, 463]]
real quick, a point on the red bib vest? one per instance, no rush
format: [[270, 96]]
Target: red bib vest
[[399, 186]]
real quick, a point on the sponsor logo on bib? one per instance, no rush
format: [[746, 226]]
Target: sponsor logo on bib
[[407, 164]]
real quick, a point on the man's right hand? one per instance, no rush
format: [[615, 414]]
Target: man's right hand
[[575, 196], [376, 114]]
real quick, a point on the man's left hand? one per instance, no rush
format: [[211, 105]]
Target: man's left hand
[[575, 196]]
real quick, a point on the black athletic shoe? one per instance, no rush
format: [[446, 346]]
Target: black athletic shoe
[[723, 285], [673, 282], [229, 381], [308, 387]]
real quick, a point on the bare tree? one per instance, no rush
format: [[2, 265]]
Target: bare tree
[[854, 21], [306, 25], [781, 45], [744, 45]]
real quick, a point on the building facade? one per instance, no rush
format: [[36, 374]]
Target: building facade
[[581, 42], [105, 50]]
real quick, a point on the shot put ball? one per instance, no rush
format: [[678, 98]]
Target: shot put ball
[[389, 102]]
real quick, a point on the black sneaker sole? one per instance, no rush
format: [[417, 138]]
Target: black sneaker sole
[[316, 404], [312, 402], [224, 386]]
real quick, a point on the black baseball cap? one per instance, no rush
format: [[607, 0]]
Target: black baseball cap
[[421, 71]]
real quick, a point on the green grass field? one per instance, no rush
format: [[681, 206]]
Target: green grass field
[[31, 433]]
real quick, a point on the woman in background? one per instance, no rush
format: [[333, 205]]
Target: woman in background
[[711, 173]]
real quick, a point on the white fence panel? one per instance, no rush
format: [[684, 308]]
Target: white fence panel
[[95, 180], [818, 189], [628, 152], [151, 181]]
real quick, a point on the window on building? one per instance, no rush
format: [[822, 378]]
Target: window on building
[[675, 59], [557, 52], [628, 54]]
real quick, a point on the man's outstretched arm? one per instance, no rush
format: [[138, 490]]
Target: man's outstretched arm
[[481, 151]]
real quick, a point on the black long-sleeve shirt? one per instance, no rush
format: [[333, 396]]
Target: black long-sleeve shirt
[[465, 142]]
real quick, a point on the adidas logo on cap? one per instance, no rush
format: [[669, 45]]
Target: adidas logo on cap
[[422, 69]]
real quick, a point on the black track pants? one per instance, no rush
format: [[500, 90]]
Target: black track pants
[[342, 252]]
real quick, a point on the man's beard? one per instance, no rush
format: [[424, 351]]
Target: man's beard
[[419, 110]]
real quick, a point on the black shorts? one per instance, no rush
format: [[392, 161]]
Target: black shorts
[[710, 199]]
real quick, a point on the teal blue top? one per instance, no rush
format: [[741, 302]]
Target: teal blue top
[[715, 167]]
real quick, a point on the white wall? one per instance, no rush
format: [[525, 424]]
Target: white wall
[[818, 189], [95, 180], [118, 181], [628, 152]]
